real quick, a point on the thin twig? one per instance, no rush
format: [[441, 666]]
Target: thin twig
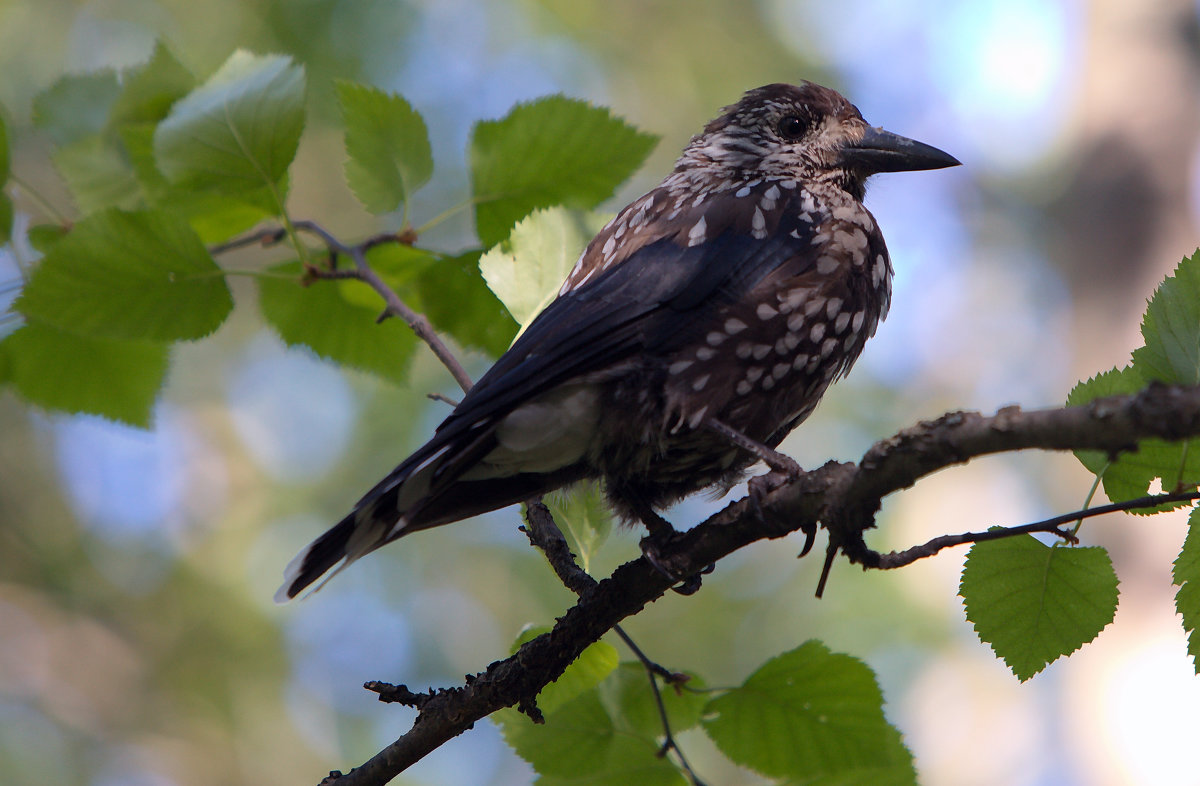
[[544, 533], [673, 679], [363, 271], [898, 559], [268, 236]]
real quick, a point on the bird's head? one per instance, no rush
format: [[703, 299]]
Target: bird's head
[[804, 132]]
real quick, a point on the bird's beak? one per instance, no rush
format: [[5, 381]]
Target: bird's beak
[[883, 151]]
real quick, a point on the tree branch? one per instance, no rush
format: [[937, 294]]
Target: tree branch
[[844, 496]]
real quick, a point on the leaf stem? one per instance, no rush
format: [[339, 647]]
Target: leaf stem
[[448, 213], [40, 200], [1091, 493]]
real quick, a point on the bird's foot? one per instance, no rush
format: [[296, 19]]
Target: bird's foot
[[778, 462], [762, 485], [652, 547]]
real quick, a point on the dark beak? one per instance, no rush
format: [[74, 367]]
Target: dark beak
[[883, 151]]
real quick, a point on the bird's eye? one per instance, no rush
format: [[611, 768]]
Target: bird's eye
[[792, 127]]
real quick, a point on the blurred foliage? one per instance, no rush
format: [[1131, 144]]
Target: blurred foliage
[[151, 655]]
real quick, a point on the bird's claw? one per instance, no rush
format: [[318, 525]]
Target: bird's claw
[[651, 551], [762, 485]]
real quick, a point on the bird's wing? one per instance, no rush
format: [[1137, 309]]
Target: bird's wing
[[653, 301], [646, 301]]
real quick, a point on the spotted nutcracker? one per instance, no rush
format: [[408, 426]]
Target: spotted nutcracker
[[697, 329]]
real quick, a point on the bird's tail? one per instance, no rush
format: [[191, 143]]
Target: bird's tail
[[316, 559], [360, 532]]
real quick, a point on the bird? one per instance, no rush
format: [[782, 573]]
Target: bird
[[698, 328]]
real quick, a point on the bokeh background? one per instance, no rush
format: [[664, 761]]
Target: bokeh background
[[138, 641]]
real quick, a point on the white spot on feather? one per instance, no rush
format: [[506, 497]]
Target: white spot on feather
[[758, 224]]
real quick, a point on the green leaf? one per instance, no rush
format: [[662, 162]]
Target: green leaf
[[387, 146], [76, 106], [1033, 603], [1171, 327], [97, 174], [84, 374], [580, 744], [527, 271], [810, 714], [149, 90], [630, 702], [1114, 382], [449, 291], [142, 275], [458, 302], [1129, 476], [585, 672], [584, 512], [238, 133], [1186, 575], [214, 216], [43, 237], [6, 218], [552, 151], [336, 319]]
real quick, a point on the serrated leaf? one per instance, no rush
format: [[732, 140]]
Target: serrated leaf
[[387, 145], [1114, 382], [214, 216], [551, 151], [586, 516], [1129, 476], [585, 672], [6, 218], [139, 275], [449, 291], [328, 318], [1032, 603], [630, 702], [76, 106], [579, 744], [527, 271], [810, 714], [64, 371], [1186, 574], [149, 90], [97, 174], [1171, 328], [238, 132], [458, 302]]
